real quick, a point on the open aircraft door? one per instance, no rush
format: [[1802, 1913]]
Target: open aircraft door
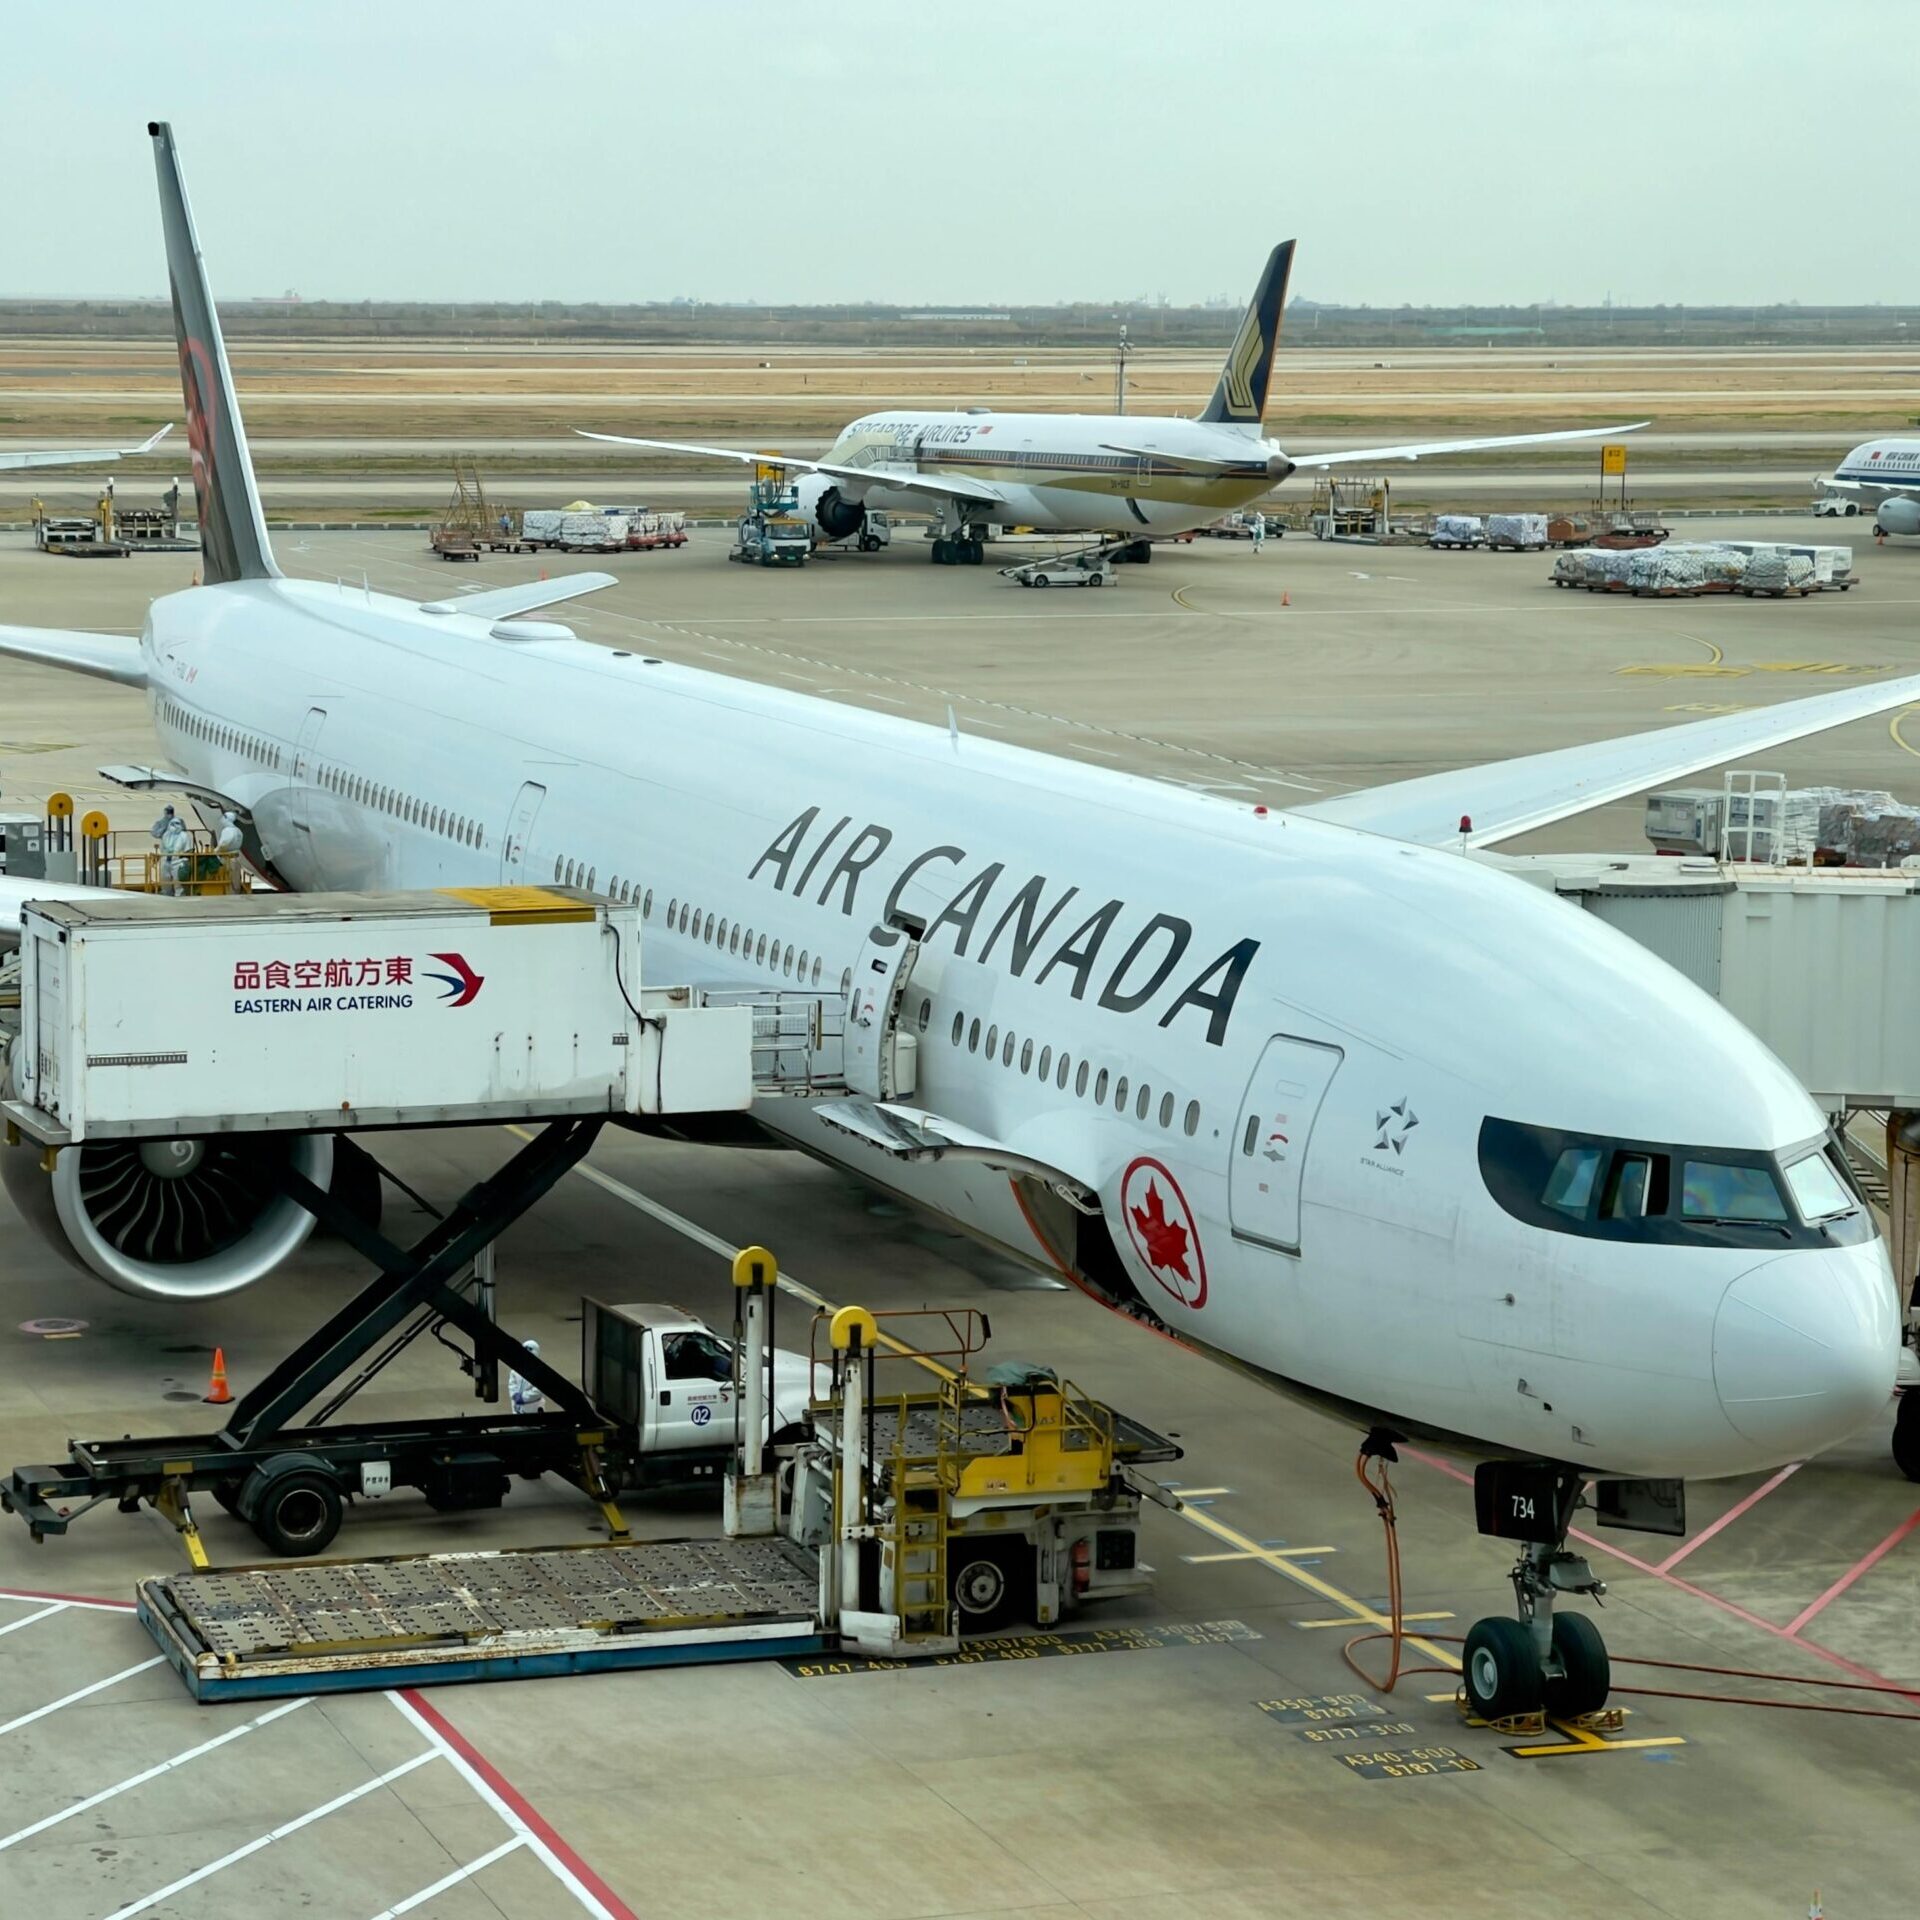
[[302, 860], [878, 1059], [513, 846], [1276, 1130]]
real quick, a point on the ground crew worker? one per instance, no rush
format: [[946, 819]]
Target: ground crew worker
[[1259, 531], [228, 844], [176, 848], [522, 1395], [160, 827]]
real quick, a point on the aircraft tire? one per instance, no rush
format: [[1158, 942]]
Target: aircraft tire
[[1906, 1433], [1502, 1669], [1586, 1674]]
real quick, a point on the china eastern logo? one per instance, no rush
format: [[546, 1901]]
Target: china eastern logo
[[367, 983], [462, 986]]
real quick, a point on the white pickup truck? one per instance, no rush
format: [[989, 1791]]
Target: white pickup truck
[[668, 1377]]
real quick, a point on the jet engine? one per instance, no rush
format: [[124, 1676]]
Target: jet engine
[[822, 502], [171, 1219], [1898, 516]]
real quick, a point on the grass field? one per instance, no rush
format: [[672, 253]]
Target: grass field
[[333, 396]]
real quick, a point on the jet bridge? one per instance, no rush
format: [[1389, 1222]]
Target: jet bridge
[[1820, 962]]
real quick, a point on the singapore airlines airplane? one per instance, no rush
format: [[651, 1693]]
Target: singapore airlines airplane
[[80, 456], [1125, 476], [1318, 1091], [1883, 475]]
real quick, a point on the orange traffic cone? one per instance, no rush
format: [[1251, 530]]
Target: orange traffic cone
[[218, 1393]]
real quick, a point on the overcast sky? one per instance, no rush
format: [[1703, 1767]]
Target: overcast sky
[[1661, 150]]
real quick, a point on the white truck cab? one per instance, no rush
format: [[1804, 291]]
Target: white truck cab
[[667, 1375]]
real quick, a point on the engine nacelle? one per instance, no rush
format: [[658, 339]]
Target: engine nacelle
[[170, 1219], [1898, 516], [822, 502]]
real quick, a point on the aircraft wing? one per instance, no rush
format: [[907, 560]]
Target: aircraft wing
[[1355, 456], [82, 456], [1508, 797], [107, 656], [502, 603], [862, 477], [14, 894]]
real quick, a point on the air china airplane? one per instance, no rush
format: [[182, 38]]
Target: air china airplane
[[1123, 476], [1882, 474], [1322, 1092], [79, 456]]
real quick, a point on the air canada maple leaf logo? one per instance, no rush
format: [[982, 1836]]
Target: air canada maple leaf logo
[[1161, 1227], [1166, 1240]]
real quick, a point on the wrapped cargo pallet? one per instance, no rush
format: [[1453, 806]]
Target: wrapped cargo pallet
[[1517, 530], [1867, 830], [1574, 568], [1456, 530]]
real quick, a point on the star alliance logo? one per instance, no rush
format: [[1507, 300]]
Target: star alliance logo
[[1393, 1126]]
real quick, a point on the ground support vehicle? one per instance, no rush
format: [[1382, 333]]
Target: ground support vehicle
[[771, 540], [892, 1525], [1093, 568], [874, 532]]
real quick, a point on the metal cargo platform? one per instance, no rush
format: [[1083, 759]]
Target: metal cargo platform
[[985, 1432], [349, 1625]]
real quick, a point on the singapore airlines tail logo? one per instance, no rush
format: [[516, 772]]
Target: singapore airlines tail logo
[[1242, 364]]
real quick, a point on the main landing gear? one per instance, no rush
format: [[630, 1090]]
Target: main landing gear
[[1543, 1660], [960, 544]]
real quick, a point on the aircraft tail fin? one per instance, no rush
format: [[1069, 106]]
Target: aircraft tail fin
[[1240, 399], [233, 530]]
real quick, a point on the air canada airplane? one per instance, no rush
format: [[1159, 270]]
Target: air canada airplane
[[79, 456], [1123, 476], [1323, 1092], [1883, 475]]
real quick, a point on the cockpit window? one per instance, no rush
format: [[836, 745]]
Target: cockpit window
[[1570, 1184], [1645, 1191], [1714, 1190], [1631, 1183], [1818, 1191]]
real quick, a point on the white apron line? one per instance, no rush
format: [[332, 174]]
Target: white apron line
[[140, 1779], [67, 1700], [151, 1900], [452, 1879]]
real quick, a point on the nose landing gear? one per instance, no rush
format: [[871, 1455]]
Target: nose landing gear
[[1543, 1660]]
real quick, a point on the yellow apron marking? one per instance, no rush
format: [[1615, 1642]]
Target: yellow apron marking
[[1344, 1622], [1258, 1553]]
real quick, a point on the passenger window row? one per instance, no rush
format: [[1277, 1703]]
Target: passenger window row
[[217, 734], [761, 949], [409, 807], [1006, 1047]]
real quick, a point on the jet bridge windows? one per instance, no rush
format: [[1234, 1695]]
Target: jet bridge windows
[[1647, 1191]]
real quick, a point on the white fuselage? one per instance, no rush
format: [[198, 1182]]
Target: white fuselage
[[1058, 472], [1876, 470], [1105, 965]]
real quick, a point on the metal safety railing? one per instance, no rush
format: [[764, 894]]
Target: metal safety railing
[[798, 1038], [200, 870]]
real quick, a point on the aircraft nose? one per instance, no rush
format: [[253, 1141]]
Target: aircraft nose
[[1805, 1348]]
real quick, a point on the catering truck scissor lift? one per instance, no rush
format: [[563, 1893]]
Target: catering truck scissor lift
[[896, 1521]]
